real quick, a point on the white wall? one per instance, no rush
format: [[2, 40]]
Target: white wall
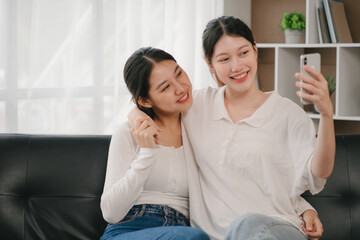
[[239, 9]]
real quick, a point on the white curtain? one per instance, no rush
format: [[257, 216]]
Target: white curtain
[[61, 61]]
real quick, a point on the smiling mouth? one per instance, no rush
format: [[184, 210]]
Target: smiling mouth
[[240, 78], [184, 98]]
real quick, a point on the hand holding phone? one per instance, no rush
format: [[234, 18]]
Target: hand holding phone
[[313, 60]]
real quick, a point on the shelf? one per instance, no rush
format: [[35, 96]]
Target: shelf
[[278, 64], [349, 118]]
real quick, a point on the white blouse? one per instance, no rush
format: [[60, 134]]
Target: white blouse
[[142, 176], [260, 164]]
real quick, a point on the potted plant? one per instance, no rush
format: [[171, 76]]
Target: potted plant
[[293, 24]]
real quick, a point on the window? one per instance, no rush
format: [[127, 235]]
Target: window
[[61, 62]]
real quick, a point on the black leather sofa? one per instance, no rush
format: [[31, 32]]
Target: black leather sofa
[[50, 188]]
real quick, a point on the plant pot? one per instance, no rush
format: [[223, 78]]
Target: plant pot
[[292, 36]]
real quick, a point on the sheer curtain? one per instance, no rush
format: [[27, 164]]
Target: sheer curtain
[[61, 62]]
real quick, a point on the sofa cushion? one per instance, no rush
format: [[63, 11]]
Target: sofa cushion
[[50, 186]]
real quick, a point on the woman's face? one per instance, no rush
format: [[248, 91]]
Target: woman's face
[[170, 89], [234, 62]]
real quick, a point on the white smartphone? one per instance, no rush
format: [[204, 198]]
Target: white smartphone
[[314, 61]]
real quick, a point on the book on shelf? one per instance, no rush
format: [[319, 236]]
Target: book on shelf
[[318, 24], [323, 25], [341, 25], [329, 20]]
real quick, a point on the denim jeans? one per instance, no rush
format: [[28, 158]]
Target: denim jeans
[[254, 226], [148, 221]]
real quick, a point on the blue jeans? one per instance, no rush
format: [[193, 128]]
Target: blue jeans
[[153, 222], [254, 226]]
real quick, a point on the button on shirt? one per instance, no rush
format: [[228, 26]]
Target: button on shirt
[[260, 164]]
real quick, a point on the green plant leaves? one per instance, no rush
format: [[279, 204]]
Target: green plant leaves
[[293, 21], [331, 83]]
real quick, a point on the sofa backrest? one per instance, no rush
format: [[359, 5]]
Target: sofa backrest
[[50, 186]]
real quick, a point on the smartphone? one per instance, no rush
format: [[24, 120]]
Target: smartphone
[[313, 60]]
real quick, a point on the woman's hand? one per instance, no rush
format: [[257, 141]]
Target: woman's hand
[[317, 92], [145, 134], [143, 128], [312, 227], [136, 116]]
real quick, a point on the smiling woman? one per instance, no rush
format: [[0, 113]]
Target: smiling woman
[[61, 61], [157, 83], [146, 192], [252, 147], [231, 53], [171, 95]]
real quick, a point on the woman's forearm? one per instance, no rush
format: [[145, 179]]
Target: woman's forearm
[[324, 154], [117, 200]]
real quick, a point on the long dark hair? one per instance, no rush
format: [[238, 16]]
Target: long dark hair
[[137, 71], [225, 25]]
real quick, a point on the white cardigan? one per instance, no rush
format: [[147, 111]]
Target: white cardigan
[[142, 176]]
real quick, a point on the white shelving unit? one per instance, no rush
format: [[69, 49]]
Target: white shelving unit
[[347, 74], [348, 82]]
